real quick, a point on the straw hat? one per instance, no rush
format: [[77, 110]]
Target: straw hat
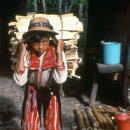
[[39, 24]]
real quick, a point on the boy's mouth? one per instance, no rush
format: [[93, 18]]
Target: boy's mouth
[[40, 51]]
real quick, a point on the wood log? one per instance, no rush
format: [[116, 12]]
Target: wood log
[[86, 120], [13, 39], [71, 64], [12, 24], [71, 54], [68, 46], [11, 31], [68, 35], [12, 67], [79, 118], [72, 51], [71, 71], [54, 16], [12, 50], [23, 26], [106, 116], [14, 43], [110, 109], [19, 17], [105, 125], [68, 26], [72, 57], [19, 35], [70, 22], [96, 114], [13, 59], [72, 43], [91, 117]]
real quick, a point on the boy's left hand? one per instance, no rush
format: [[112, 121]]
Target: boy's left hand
[[60, 47]]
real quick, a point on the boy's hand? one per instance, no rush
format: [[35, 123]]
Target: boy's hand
[[60, 47], [23, 48]]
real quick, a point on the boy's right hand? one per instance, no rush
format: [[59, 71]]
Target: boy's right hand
[[23, 48]]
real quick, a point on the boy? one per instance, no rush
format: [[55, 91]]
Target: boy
[[42, 67]]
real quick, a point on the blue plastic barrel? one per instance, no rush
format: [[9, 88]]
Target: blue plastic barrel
[[111, 53]]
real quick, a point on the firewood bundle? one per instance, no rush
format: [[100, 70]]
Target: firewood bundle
[[93, 118], [68, 27]]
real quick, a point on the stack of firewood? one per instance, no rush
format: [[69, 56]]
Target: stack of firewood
[[97, 117], [68, 27]]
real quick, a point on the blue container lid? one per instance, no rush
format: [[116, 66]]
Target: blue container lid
[[111, 43]]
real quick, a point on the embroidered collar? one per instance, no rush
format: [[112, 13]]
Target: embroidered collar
[[48, 61]]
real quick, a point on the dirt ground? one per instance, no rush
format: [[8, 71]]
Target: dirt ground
[[12, 95], [11, 99]]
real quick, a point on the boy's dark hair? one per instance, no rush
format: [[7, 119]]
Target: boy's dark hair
[[38, 37]]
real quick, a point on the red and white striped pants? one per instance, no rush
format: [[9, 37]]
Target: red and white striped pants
[[33, 110]]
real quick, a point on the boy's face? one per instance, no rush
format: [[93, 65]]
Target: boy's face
[[40, 47]]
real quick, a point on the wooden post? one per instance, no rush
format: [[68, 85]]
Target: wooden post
[[44, 6], [66, 6], [80, 10], [93, 91], [60, 6], [69, 8], [35, 5]]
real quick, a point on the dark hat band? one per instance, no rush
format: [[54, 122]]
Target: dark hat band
[[40, 24]]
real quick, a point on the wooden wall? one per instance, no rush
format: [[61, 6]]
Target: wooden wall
[[104, 18], [108, 20]]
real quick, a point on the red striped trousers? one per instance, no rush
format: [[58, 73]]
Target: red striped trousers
[[51, 112]]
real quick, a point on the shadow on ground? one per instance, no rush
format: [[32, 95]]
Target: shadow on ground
[[108, 92], [6, 72], [8, 115], [73, 87]]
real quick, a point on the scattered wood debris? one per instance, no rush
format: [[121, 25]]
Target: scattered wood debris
[[97, 117]]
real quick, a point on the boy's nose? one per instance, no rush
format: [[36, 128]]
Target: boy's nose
[[40, 45]]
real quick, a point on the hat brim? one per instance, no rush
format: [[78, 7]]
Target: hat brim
[[30, 32]]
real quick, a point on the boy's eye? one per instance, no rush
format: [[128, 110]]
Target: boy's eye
[[44, 41], [35, 43]]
